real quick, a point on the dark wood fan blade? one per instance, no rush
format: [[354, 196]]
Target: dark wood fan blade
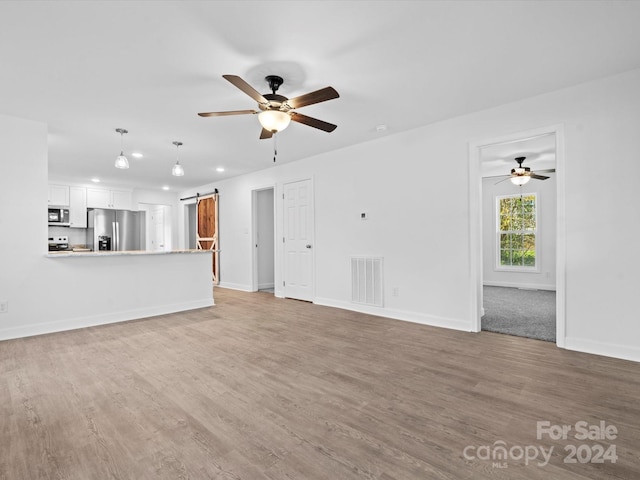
[[312, 122], [224, 114], [496, 176], [549, 170], [538, 177], [265, 134], [245, 87], [322, 95], [501, 180]]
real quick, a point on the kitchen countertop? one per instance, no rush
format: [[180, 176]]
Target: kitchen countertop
[[68, 253]]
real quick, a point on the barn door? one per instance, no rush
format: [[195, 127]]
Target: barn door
[[207, 231]]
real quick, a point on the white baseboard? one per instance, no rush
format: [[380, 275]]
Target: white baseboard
[[115, 317], [532, 286], [413, 317], [262, 286], [236, 286], [601, 348]]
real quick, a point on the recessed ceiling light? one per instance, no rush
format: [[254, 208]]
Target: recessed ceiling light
[[136, 154], [220, 169], [165, 187], [95, 180], [381, 128]]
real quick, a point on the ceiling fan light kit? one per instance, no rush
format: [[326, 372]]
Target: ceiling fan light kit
[[121, 160], [274, 120], [520, 180]]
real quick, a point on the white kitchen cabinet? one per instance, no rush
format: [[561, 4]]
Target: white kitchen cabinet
[[121, 199], [77, 207], [98, 198], [58, 195], [103, 198]]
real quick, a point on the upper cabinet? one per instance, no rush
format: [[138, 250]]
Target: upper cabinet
[[121, 199], [103, 198], [58, 195], [77, 207]]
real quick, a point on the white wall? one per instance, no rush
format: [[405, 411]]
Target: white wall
[[544, 277], [51, 294], [414, 187]]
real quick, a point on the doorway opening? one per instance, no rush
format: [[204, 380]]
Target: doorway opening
[[191, 225], [517, 234], [263, 240], [159, 231]]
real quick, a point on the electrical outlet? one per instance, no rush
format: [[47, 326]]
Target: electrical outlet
[[395, 291], [4, 306]]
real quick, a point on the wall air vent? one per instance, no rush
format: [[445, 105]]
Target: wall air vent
[[367, 280]]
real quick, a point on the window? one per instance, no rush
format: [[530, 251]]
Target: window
[[516, 232]]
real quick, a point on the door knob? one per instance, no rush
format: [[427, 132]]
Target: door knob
[[308, 246]]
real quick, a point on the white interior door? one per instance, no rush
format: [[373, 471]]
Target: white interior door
[[156, 229], [298, 240]]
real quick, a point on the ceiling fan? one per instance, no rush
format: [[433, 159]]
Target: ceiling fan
[[521, 175], [276, 111]]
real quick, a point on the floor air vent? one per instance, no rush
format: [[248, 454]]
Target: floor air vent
[[366, 280]]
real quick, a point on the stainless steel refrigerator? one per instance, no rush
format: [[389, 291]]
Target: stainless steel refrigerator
[[116, 230]]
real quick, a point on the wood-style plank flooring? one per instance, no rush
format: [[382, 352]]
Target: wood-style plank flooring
[[265, 388]]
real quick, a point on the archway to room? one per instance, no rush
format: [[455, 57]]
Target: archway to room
[[518, 268]]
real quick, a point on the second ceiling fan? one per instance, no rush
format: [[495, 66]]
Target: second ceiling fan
[[276, 111], [521, 175]]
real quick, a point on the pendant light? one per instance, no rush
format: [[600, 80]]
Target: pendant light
[[121, 160], [177, 170]]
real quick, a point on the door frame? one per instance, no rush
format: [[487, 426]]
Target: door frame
[[475, 225], [255, 233]]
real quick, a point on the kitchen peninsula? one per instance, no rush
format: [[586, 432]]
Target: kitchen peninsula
[[96, 288], [102, 253], [43, 293]]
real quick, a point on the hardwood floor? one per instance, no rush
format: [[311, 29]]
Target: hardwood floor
[[264, 388]]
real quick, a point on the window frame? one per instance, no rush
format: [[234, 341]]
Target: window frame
[[516, 268]]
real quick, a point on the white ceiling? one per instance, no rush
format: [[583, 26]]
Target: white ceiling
[[87, 68]]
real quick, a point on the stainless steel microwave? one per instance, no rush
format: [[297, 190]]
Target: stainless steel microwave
[[59, 217]]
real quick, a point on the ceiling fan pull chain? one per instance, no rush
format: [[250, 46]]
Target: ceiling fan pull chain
[[275, 147]]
